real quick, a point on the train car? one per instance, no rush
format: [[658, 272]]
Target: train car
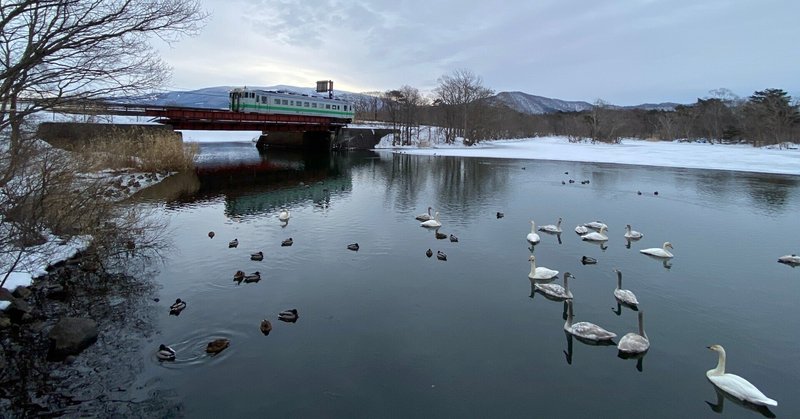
[[286, 103]]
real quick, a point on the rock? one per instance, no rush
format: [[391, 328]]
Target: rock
[[22, 292], [18, 309], [4, 322], [5, 295], [55, 292], [72, 335]]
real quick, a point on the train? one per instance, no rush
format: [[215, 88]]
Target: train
[[288, 103]]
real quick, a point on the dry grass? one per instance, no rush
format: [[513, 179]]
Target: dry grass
[[146, 150]]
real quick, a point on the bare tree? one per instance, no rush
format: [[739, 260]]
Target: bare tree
[[461, 96]]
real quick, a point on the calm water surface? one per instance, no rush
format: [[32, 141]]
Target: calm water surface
[[386, 331]]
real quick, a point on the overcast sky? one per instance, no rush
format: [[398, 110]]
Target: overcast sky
[[624, 52]]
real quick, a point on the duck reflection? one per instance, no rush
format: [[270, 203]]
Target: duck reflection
[[722, 396]]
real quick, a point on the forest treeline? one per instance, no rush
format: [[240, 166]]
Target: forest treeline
[[467, 109]]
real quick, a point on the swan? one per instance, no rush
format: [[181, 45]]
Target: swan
[[165, 353], [432, 223], [792, 259], [659, 252], [632, 234], [586, 330], [532, 237], [257, 256], [233, 243], [624, 296], [596, 236], [734, 385], [289, 316], [425, 217], [177, 307], [540, 272], [555, 291], [217, 345], [635, 343], [581, 230], [284, 215], [595, 225], [265, 327], [549, 228]]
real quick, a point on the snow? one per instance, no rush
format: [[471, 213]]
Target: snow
[[680, 154]]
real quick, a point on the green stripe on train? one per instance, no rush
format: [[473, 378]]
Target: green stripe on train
[[299, 111]]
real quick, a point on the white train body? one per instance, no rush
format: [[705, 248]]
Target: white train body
[[285, 103]]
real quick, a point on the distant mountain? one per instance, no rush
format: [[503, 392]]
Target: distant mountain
[[537, 105]]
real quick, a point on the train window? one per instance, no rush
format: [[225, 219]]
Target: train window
[[327, 106], [284, 102], [313, 104], [305, 104], [277, 101]]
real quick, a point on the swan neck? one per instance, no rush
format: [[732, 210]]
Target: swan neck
[[533, 267], [566, 284], [619, 280], [533, 227], [568, 323], [720, 369], [641, 325]]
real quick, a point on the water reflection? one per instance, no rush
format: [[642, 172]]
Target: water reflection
[[719, 406], [639, 357]]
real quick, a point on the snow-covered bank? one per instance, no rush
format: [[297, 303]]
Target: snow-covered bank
[[693, 155]]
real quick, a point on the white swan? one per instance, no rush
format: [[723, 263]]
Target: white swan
[[792, 259], [432, 223], [595, 225], [425, 217], [632, 234], [540, 272], [284, 215], [635, 343], [733, 384], [532, 237], [549, 228], [659, 252], [624, 296], [596, 236], [586, 330], [555, 291], [581, 230]]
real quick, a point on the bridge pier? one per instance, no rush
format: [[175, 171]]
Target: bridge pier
[[317, 140]]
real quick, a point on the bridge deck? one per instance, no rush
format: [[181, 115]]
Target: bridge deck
[[214, 119]]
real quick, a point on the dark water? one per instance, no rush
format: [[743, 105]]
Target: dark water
[[386, 331]]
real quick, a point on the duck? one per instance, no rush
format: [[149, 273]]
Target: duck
[[500, 214], [453, 238], [210, 234], [434, 223], [595, 225], [177, 307], [624, 296], [233, 243], [581, 230], [540, 272], [429, 253], [440, 255], [660, 252], [284, 215], [425, 217], [440, 236], [257, 256], [165, 353], [353, 246], [287, 242], [635, 343], [792, 259], [238, 276], [532, 237], [254, 277], [549, 228], [265, 327], [734, 385], [289, 315], [555, 291], [595, 236], [585, 330], [587, 260], [632, 234], [217, 345]]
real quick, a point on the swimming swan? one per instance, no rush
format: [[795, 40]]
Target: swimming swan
[[432, 223], [635, 343], [596, 236], [284, 215], [555, 291], [595, 225], [624, 296], [425, 217], [540, 272], [733, 384], [549, 228], [792, 259], [581, 230], [532, 237], [632, 234], [586, 330], [659, 252]]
